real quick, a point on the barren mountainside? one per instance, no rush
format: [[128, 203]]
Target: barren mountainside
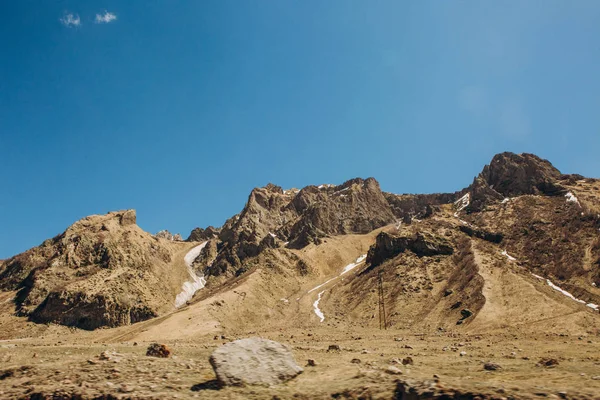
[[493, 290]]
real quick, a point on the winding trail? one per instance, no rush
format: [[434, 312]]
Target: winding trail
[[197, 282]]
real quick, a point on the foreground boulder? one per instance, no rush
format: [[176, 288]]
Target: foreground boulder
[[254, 361]]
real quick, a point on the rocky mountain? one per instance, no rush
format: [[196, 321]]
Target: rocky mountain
[[273, 218], [102, 271], [106, 271]]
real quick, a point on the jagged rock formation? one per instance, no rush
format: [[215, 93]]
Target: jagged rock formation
[[273, 217], [201, 235], [102, 271], [165, 234], [422, 244], [510, 175]]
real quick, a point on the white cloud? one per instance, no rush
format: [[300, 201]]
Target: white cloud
[[70, 20], [105, 18]]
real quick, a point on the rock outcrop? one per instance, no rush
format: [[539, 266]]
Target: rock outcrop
[[102, 271], [202, 235], [510, 175], [165, 234], [422, 244], [254, 361], [273, 218]]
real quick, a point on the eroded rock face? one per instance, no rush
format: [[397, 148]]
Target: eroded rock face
[[388, 246], [202, 235], [273, 218], [510, 175], [102, 271], [254, 361]]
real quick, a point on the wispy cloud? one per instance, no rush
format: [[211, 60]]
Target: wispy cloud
[[70, 20], [105, 18]]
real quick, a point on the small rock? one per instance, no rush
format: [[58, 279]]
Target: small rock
[[407, 361], [463, 353], [393, 370], [490, 366], [547, 362], [311, 363], [596, 378], [355, 361], [158, 350], [333, 347], [407, 346]]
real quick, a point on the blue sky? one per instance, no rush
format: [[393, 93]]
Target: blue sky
[[179, 108]]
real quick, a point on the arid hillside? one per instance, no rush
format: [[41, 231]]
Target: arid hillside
[[505, 270]]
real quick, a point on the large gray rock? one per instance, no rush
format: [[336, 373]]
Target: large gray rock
[[254, 361]]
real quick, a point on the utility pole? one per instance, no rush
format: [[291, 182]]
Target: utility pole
[[382, 316]]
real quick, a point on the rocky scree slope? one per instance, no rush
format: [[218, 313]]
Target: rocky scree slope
[[102, 271]]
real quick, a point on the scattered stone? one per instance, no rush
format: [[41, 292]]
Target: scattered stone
[[407, 346], [547, 362], [333, 347], [407, 361], [254, 361], [596, 378], [158, 350], [466, 313], [110, 356], [398, 339], [355, 361], [393, 370], [490, 366], [463, 353], [311, 363]]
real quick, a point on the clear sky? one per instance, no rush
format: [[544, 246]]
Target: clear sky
[[179, 108]]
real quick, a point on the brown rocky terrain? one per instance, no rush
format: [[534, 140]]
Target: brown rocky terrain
[[102, 271], [490, 292]]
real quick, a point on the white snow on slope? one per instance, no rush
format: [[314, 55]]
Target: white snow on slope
[[569, 295], [361, 259], [506, 200], [272, 235], [463, 202], [353, 265], [510, 258], [571, 198], [317, 309], [197, 282], [322, 284]]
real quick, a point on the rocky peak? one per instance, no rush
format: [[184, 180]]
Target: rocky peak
[[165, 234], [509, 175], [96, 273], [201, 235], [513, 174]]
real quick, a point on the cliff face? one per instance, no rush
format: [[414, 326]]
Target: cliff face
[[273, 218], [511, 175], [102, 271]]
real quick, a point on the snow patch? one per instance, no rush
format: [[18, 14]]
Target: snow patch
[[353, 265], [462, 203], [341, 190], [317, 309], [322, 284], [191, 287], [272, 235], [510, 258], [567, 294], [572, 199], [506, 200]]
